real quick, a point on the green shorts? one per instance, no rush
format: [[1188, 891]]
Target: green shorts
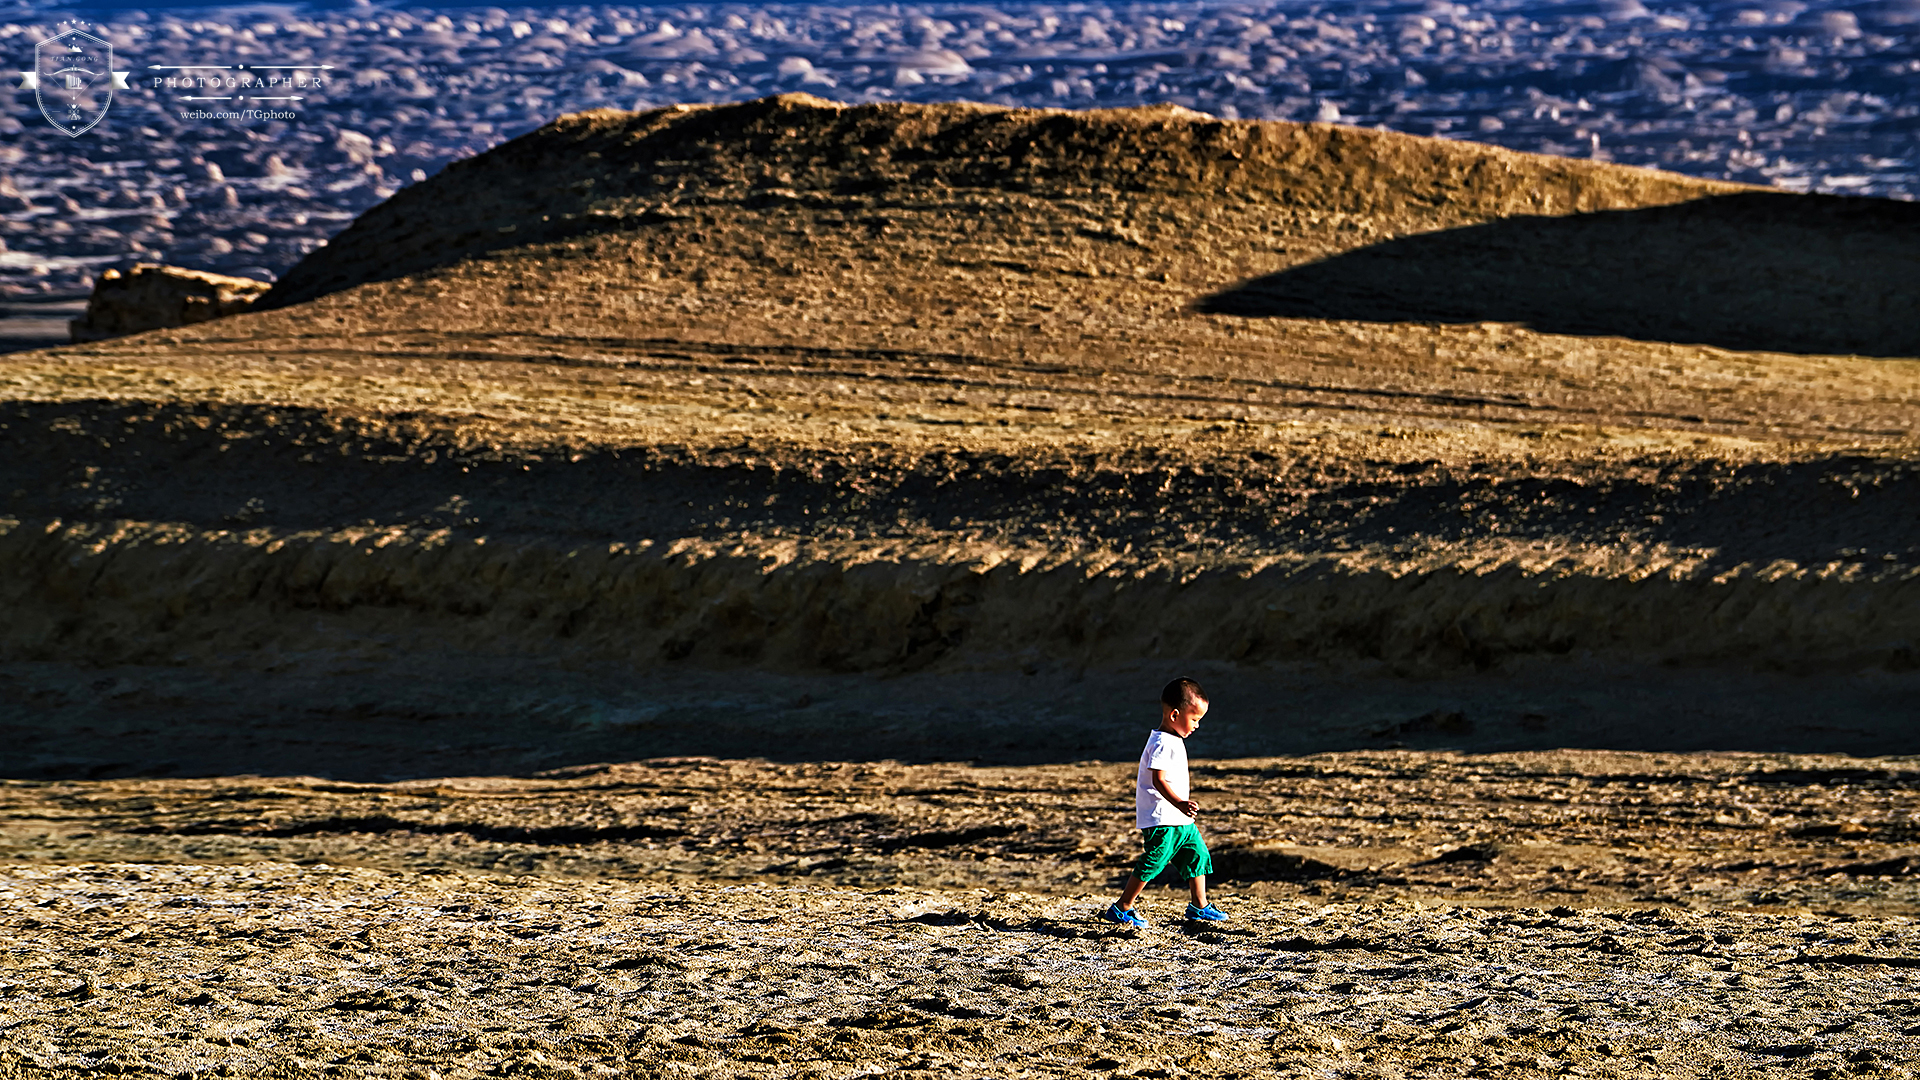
[[1178, 847]]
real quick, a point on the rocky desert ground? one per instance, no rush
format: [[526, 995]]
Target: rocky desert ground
[[683, 591], [277, 969], [1395, 914]]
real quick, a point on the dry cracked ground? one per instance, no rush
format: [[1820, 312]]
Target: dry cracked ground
[[681, 594], [1396, 913], [275, 969]]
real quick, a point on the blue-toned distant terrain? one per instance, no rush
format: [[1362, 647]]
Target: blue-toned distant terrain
[[1804, 96]]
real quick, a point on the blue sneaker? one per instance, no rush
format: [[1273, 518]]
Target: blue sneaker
[[1206, 914], [1113, 914]]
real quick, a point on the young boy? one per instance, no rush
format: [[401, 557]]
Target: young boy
[[1163, 809]]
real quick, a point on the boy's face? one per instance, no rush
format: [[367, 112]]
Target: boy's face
[[1184, 720]]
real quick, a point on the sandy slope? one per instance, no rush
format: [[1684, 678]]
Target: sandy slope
[[799, 391]]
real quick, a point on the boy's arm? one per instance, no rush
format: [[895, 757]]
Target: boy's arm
[[1187, 806]]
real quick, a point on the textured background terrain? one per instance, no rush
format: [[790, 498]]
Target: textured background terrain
[[620, 548], [822, 391]]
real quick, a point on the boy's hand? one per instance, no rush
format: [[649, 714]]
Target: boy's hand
[[1190, 808]]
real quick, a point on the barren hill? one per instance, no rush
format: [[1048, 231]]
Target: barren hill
[[791, 390], [1344, 223], [610, 171]]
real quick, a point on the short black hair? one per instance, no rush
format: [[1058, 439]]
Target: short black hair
[[1181, 693]]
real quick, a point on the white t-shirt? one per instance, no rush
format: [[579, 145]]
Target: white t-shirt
[[1167, 752]]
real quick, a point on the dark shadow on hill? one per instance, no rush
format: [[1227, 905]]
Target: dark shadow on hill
[[416, 715], [1778, 272], [290, 469]]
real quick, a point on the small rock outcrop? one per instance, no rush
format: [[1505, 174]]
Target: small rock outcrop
[[153, 297]]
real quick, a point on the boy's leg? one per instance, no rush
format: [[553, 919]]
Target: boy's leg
[[1197, 862], [1161, 844]]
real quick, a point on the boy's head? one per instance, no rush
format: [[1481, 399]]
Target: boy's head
[[1182, 704]]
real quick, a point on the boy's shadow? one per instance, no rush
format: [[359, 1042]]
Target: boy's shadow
[[1756, 270]]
